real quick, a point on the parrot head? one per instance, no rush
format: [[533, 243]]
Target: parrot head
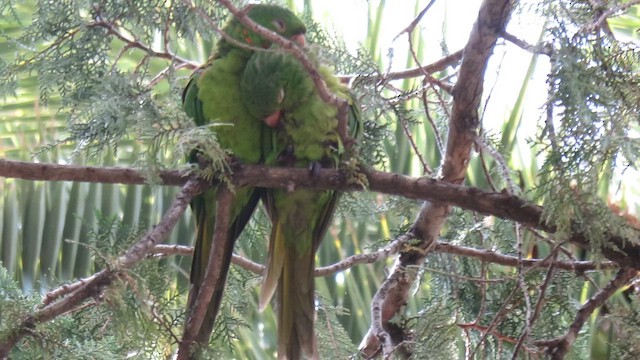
[[275, 18]]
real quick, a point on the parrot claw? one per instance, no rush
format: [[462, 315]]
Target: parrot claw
[[314, 169], [286, 157]]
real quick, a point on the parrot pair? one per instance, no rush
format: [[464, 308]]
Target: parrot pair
[[276, 117]]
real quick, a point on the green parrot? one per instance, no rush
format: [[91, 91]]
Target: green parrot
[[276, 86], [212, 96]]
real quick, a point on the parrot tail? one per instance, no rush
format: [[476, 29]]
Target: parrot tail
[[291, 268]]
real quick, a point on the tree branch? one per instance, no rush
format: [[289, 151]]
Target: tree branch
[[505, 206], [393, 248], [93, 285], [467, 93], [212, 274], [559, 347], [136, 44]]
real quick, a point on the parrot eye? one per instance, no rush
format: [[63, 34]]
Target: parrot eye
[[279, 25]]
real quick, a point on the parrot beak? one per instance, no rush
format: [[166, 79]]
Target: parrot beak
[[273, 120], [298, 39]]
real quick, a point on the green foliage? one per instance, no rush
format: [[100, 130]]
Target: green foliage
[[594, 101], [139, 316], [623, 323], [434, 333], [333, 340]]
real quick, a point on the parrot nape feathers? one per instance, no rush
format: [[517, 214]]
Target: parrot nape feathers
[[276, 85], [213, 96]]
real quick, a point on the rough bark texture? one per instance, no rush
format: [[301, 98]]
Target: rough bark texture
[[463, 125], [500, 204]]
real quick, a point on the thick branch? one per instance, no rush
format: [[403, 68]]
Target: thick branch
[[502, 205], [463, 124], [212, 273]]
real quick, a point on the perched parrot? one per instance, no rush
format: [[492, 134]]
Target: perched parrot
[[213, 96], [279, 90]]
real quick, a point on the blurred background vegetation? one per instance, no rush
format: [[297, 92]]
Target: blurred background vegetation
[[74, 93]]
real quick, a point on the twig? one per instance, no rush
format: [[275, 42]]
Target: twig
[[405, 128], [487, 173], [535, 49], [436, 132], [409, 29], [609, 12], [505, 309], [439, 65], [502, 164], [487, 330], [370, 258], [67, 289], [136, 44], [538, 307], [559, 347]]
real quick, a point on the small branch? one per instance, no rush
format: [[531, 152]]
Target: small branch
[[505, 309], [157, 234], [136, 44], [409, 29], [405, 127], [370, 258], [559, 347], [436, 132], [288, 46], [487, 330], [212, 274], [95, 174], [445, 62], [506, 260], [538, 308], [486, 256], [502, 164], [534, 49], [67, 289], [604, 15], [93, 286]]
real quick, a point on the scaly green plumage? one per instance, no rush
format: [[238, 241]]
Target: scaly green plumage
[[212, 96], [306, 136]]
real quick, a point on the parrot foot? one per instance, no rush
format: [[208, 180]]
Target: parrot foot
[[314, 170], [287, 157], [354, 175]]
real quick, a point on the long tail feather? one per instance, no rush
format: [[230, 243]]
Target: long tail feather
[[296, 306], [275, 265]]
